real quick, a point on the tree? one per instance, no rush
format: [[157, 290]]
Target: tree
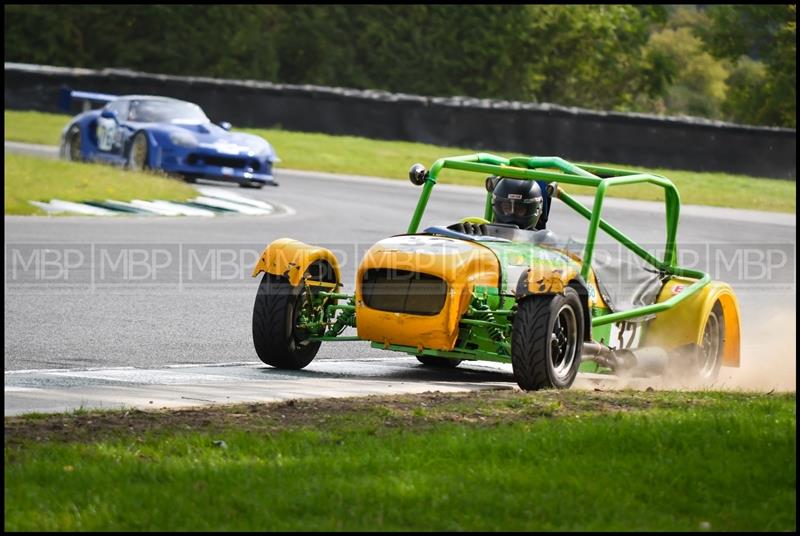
[[766, 33], [611, 57], [697, 79]]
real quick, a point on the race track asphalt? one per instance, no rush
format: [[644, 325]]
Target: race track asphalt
[[150, 292]]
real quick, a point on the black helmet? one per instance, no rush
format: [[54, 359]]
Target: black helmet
[[517, 201]]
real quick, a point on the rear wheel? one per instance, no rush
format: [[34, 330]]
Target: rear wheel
[[547, 341], [709, 358], [277, 338], [138, 152], [701, 361], [438, 362]]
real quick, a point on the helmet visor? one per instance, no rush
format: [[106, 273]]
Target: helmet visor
[[519, 208]]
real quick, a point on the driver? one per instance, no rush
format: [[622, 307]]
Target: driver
[[517, 202]]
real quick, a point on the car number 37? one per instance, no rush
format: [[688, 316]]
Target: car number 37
[[106, 132]]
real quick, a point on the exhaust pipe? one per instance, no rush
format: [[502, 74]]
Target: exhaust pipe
[[648, 361]]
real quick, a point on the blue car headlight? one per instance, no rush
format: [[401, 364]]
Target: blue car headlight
[[268, 154], [183, 139]]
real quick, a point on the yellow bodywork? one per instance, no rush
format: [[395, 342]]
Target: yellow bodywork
[[463, 265], [684, 323], [543, 279], [292, 258], [547, 279]]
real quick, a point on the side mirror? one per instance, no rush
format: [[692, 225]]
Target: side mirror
[[108, 114], [491, 183], [225, 125], [417, 174]]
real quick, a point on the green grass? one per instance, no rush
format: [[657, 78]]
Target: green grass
[[34, 127], [29, 178], [391, 159], [493, 460]]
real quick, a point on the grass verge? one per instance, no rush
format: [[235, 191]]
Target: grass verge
[[492, 460], [29, 178], [391, 159]]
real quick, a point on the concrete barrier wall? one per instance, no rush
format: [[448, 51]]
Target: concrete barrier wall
[[473, 124]]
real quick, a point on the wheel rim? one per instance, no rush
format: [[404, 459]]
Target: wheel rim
[[709, 350], [563, 342], [138, 153], [75, 146], [296, 334]]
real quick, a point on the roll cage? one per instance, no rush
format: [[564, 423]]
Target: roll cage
[[540, 168]]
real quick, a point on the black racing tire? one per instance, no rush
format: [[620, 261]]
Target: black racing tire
[[277, 340], [547, 341], [72, 144], [438, 362], [190, 179], [138, 152], [701, 361], [251, 184]]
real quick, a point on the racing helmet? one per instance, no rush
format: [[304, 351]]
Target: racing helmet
[[517, 201]]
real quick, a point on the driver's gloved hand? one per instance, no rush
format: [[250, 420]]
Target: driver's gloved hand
[[474, 229]]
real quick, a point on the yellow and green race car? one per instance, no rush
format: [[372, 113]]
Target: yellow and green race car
[[482, 289]]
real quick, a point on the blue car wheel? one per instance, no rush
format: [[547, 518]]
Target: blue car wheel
[[73, 144], [138, 151]]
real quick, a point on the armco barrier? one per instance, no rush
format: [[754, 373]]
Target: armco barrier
[[471, 124]]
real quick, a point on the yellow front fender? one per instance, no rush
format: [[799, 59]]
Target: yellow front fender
[[291, 258], [544, 279], [685, 323]]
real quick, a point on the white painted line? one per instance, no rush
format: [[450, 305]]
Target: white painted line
[[152, 207], [185, 210], [145, 377], [144, 212], [219, 193], [57, 205], [81, 208], [243, 209], [233, 364], [47, 371], [44, 206], [209, 365]]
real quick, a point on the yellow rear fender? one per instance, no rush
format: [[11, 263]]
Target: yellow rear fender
[[292, 259], [686, 322]]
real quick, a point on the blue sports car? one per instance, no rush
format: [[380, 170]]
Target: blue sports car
[[175, 136]]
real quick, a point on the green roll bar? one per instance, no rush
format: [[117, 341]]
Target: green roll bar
[[601, 178]]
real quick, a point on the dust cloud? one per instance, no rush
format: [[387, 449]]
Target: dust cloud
[[769, 357], [768, 363]]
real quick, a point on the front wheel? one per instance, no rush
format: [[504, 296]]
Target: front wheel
[[547, 341], [278, 340]]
